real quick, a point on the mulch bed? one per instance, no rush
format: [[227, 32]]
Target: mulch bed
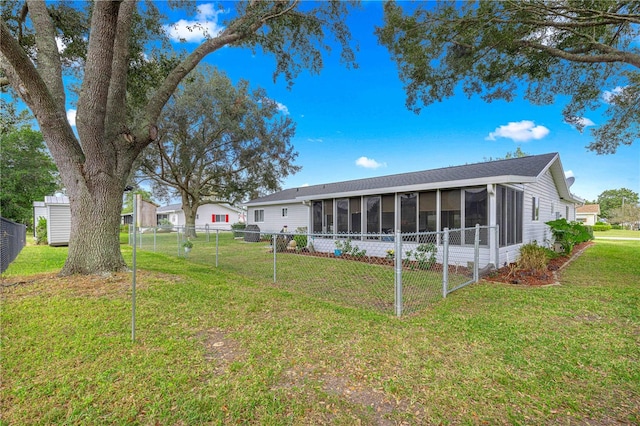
[[511, 275]]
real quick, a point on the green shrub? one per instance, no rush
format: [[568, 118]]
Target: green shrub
[[237, 227], [568, 234], [424, 255], [41, 231], [617, 227], [533, 257], [300, 237], [347, 248], [601, 227]]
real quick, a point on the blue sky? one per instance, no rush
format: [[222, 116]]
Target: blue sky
[[354, 124]]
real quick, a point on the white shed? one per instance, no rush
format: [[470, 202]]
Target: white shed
[[58, 214]]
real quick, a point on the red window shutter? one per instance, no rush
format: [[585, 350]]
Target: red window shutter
[[213, 218], [227, 219]]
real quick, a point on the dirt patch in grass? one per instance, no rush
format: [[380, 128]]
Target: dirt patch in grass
[[365, 401], [50, 284], [221, 349], [510, 274]]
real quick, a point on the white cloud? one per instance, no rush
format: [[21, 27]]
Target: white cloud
[[568, 173], [584, 122], [71, 117], [204, 25], [61, 45], [369, 163], [317, 140], [608, 95], [282, 108], [521, 131]]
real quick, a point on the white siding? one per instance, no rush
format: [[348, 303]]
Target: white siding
[[39, 210], [204, 216], [551, 208], [58, 224], [587, 218], [205, 213], [297, 217]]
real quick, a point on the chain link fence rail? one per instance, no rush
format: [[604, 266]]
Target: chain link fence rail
[[13, 237], [391, 273]]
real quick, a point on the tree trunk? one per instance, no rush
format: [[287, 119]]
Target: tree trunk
[[189, 218], [94, 243]]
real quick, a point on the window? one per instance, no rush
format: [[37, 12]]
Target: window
[[327, 210], [509, 215], [476, 212], [258, 215], [535, 208], [428, 215], [450, 214], [373, 215], [225, 217], [355, 207], [409, 215], [285, 212], [388, 214], [342, 216], [316, 216], [408, 212]]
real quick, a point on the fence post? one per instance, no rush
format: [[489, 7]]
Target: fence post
[[445, 262], [398, 274], [178, 237], [274, 237], [217, 233], [497, 246], [206, 229], [476, 254]]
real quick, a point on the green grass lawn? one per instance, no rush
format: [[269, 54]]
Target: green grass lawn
[[624, 233], [345, 282], [216, 347]]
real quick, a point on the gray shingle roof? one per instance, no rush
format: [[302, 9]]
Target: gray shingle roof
[[530, 166]]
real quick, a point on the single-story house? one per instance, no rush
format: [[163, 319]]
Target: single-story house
[[588, 214], [519, 195], [146, 216], [214, 215], [54, 208]]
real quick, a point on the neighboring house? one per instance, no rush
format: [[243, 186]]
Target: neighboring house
[[588, 214], [58, 214], [146, 216], [213, 215], [519, 195]]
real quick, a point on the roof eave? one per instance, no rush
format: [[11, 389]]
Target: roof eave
[[464, 183]]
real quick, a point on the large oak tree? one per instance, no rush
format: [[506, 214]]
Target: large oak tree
[[585, 49], [122, 91], [219, 143]]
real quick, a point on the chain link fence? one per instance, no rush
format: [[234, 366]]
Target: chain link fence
[[13, 237], [391, 273]]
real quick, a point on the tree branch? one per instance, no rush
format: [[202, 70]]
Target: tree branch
[[28, 83], [116, 103], [91, 115], [49, 65], [613, 56]]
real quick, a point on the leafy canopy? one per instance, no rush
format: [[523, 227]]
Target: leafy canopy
[[28, 173], [614, 199], [220, 142], [549, 47]]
